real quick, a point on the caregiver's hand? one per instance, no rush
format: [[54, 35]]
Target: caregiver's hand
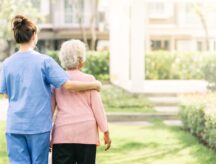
[[107, 140], [98, 85]]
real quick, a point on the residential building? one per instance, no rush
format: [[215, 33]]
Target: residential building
[[67, 19], [179, 25], [173, 25]]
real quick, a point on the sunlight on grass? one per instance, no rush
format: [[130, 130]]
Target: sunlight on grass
[[2, 96], [3, 153], [118, 100], [157, 144]]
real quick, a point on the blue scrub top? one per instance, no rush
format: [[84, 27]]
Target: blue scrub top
[[26, 77]]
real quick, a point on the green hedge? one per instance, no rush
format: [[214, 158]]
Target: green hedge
[[54, 55], [159, 65], [199, 117], [177, 65], [97, 63], [209, 70]]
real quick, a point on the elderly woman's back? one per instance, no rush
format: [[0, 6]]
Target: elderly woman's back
[[79, 114], [75, 132]]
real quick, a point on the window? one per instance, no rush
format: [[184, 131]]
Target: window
[[160, 9], [199, 46], [156, 8], [36, 4], [73, 10], [160, 45], [101, 16], [166, 45], [215, 45]]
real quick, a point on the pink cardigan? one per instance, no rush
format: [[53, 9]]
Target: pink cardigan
[[79, 114]]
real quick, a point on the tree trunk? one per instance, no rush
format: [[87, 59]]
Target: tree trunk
[[93, 24], [80, 17], [202, 17], [83, 31], [204, 24]]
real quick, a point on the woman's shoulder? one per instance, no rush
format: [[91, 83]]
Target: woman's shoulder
[[79, 75], [89, 76]]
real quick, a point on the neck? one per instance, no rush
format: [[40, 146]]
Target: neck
[[25, 47], [73, 69]]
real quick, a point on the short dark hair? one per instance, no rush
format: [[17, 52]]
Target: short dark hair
[[23, 29]]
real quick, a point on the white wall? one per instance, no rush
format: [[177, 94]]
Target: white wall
[[186, 45], [119, 40], [45, 7], [127, 43]]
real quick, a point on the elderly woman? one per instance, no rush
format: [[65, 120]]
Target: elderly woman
[[75, 131]]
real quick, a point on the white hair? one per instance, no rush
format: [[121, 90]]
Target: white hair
[[72, 53]]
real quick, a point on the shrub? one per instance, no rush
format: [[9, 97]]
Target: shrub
[[97, 63], [199, 117], [159, 65], [209, 69], [54, 55], [210, 128], [193, 118], [174, 65]]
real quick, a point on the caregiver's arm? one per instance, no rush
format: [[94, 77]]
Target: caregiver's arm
[[82, 86], [56, 76]]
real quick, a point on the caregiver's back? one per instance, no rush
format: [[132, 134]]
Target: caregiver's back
[[26, 79]]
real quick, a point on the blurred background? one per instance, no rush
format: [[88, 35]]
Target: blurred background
[[157, 61]]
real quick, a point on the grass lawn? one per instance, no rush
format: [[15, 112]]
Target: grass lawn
[[156, 144], [3, 154], [1, 96], [118, 100]]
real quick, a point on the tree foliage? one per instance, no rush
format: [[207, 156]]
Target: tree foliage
[[8, 9]]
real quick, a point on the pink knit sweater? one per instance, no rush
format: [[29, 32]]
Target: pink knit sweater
[[79, 114]]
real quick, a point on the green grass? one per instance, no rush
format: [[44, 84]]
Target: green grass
[[118, 100], [157, 144], [1, 96], [3, 153]]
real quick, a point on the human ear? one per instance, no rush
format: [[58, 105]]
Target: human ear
[[34, 39]]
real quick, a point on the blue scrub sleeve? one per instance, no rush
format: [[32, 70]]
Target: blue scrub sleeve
[[3, 87], [54, 74]]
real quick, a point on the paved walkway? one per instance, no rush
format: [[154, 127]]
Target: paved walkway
[[3, 109], [167, 86]]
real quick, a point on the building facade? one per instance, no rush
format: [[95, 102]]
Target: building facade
[[172, 25], [67, 19], [137, 26], [180, 25]]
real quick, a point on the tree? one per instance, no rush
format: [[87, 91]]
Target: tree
[[94, 10], [10, 8], [80, 17], [201, 13], [93, 20]]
